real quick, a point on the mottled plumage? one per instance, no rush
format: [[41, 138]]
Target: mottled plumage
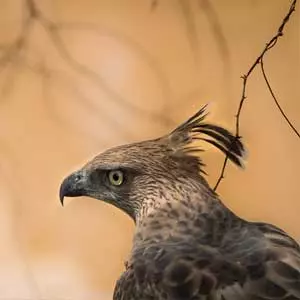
[[188, 245]]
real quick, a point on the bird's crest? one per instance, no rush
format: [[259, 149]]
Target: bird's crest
[[195, 129]]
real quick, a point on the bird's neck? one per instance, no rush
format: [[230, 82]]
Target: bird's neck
[[162, 215]]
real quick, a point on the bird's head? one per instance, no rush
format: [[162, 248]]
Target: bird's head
[[126, 175]]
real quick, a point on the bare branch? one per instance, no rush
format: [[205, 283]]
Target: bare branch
[[271, 43]]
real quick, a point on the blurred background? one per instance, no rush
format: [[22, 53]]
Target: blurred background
[[77, 77]]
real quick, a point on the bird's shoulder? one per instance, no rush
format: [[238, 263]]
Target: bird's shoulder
[[252, 261], [270, 259], [276, 236]]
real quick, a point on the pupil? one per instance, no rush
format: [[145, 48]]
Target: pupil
[[115, 177]]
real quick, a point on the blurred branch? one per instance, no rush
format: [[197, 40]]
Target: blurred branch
[[95, 77], [259, 60], [132, 44], [13, 54], [62, 81], [191, 28], [33, 13], [217, 30], [12, 51], [9, 79], [220, 39], [153, 4]]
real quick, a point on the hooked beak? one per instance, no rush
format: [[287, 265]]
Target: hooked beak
[[72, 186]]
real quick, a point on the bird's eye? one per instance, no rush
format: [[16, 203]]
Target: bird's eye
[[116, 177]]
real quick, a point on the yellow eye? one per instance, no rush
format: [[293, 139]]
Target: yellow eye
[[116, 177]]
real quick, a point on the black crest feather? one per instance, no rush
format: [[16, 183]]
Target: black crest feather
[[196, 129]]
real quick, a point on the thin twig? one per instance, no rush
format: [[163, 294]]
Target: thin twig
[[272, 42], [275, 99]]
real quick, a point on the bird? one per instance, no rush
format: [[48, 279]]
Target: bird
[[187, 244]]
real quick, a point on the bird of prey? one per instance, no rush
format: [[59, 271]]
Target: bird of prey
[[188, 245]]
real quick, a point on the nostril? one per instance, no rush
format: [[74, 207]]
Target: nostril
[[77, 177]]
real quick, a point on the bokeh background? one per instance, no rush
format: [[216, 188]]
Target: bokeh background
[[79, 76]]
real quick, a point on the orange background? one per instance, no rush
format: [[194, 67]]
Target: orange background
[[109, 72]]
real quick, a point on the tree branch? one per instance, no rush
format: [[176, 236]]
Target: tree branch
[[271, 43]]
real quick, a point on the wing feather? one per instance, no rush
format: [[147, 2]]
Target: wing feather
[[258, 267]]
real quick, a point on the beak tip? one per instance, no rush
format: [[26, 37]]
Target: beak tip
[[70, 187], [61, 195], [64, 190]]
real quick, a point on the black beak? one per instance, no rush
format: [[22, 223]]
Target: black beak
[[72, 186]]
